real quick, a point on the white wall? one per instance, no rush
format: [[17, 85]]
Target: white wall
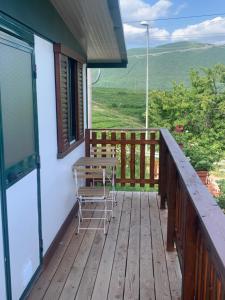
[[23, 232], [57, 186], [2, 268]]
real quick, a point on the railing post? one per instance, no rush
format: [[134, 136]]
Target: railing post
[[87, 142], [162, 172], [152, 160], [189, 257], [171, 203]]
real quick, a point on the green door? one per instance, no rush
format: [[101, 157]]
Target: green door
[[20, 160]]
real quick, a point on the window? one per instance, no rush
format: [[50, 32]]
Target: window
[[69, 99], [17, 107]]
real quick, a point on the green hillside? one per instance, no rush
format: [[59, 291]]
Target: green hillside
[[117, 108], [166, 63]]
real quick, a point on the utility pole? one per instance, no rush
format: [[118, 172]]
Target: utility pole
[[89, 108], [144, 23]]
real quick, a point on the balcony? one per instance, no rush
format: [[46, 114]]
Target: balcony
[[162, 244]]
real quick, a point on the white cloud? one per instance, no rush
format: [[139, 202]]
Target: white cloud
[[136, 35], [180, 8], [212, 30], [137, 10], [133, 10]]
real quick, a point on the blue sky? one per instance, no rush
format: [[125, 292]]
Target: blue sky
[[210, 29]]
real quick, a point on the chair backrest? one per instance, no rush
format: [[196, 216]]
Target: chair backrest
[[84, 174], [103, 151]]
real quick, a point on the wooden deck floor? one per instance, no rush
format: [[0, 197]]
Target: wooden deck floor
[[130, 262]]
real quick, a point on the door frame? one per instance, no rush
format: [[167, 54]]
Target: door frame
[[15, 29]]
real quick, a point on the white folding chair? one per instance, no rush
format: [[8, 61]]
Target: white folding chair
[[106, 151], [92, 193]]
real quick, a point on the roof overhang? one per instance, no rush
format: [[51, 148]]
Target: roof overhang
[[97, 26]]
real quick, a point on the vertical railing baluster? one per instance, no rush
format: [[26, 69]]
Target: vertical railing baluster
[[189, 256], [123, 157], [218, 289], [171, 202], [104, 140], [142, 157], [113, 139], [93, 140], [87, 142], [132, 158], [205, 273], [152, 160]]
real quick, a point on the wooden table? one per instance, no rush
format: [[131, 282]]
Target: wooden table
[[96, 162]]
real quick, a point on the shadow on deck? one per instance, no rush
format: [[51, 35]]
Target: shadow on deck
[[130, 262]]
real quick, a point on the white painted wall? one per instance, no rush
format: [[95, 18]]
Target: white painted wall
[[23, 232], [57, 186], [2, 267]]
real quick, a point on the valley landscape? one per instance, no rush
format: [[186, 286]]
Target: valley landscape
[[119, 95]]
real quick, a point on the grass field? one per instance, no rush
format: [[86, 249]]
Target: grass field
[[117, 108]]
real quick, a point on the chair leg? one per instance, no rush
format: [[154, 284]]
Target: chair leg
[[79, 217], [113, 187], [105, 216], [112, 204]]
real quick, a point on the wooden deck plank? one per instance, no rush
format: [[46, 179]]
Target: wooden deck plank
[[116, 287], [174, 272], [90, 272], [93, 268], [104, 272], [132, 273], [162, 288], [129, 263], [55, 288], [147, 286], [73, 280], [43, 282]]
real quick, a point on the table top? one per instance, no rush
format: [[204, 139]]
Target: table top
[[96, 162]]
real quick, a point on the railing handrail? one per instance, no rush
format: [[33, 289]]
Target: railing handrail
[[124, 129], [210, 216]]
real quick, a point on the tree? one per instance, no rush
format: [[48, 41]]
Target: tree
[[200, 108]]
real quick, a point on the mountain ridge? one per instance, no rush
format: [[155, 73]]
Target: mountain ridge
[[167, 63]]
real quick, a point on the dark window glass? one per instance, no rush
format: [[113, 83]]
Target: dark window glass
[[72, 101], [16, 94]]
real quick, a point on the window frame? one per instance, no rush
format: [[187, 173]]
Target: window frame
[[59, 50], [23, 41]]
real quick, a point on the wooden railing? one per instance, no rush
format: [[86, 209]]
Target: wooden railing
[[196, 225], [136, 151]]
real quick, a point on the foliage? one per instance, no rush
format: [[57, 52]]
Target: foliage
[[201, 109], [199, 158], [221, 197]]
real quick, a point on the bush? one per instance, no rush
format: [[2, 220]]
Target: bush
[[221, 197], [200, 159]]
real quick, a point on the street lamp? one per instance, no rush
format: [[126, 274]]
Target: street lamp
[[144, 23]]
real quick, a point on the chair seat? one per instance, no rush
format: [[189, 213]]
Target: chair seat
[[95, 192]]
